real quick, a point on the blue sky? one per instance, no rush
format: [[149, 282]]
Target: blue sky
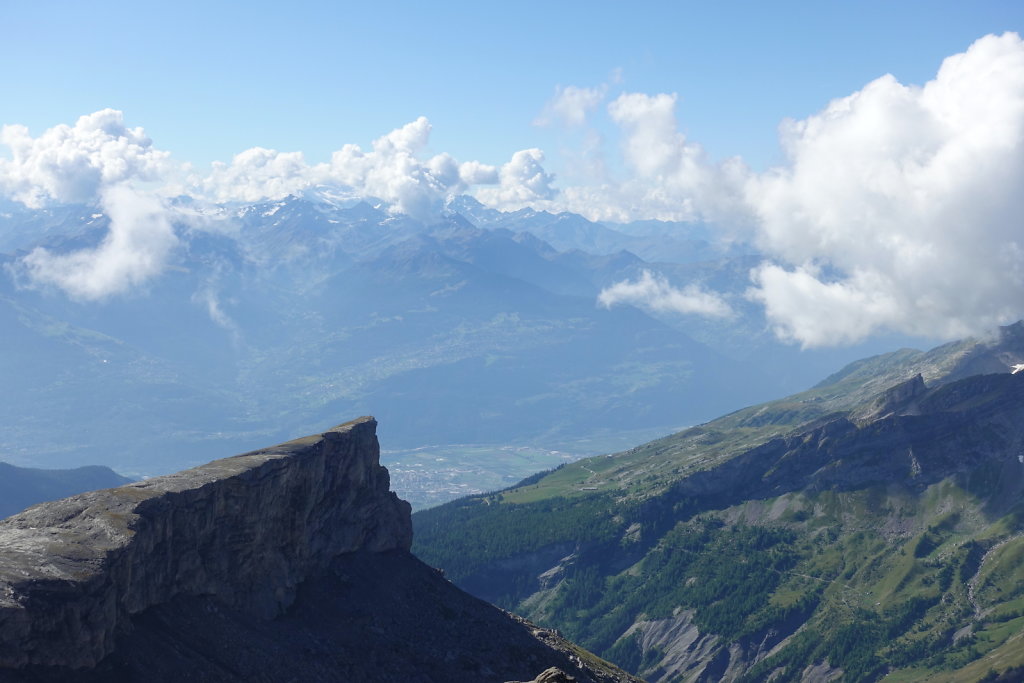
[[881, 203], [210, 79]]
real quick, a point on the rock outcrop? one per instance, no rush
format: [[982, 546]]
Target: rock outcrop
[[288, 563], [247, 529]]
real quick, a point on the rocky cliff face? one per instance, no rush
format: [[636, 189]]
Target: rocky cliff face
[[248, 529], [288, 563]]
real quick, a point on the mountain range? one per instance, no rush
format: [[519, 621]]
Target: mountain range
[[271, 318], [867, 527]]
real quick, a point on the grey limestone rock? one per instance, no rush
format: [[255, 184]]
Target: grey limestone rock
[[289, 563], [247, 529]]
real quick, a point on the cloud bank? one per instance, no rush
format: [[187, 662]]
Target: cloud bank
[[74, 163], [897, 209], [900, 208], [392, 170], [101, 162]]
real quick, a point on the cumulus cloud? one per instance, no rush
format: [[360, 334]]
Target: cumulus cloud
[[476, 173], [392, 170], [571, 105], [521, 182], [656, 293], [897, 209], [99, 160], [73, 163], [652, 146], [900, 207], [257, 174], [96, 161], [668, 177], [136, 248]]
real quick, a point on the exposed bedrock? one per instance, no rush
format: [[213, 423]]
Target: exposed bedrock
[[247, 529], [290, 563]]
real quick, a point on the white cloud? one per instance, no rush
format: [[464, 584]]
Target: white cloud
[[258, 174], [571, 105], [74, 163], [392, 170], [521, 182], [96, 161], [668, 177], [805, 309], [475, 173], [135, 249], [652, 146], [654, 292], [78, 163], [99, 160], [900, 208]]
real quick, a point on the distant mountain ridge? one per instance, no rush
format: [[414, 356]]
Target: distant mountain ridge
[[339, 306], [271, 317], [24, 486], [650, 240]]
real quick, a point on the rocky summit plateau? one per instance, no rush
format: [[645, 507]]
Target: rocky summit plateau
[[289, 563]]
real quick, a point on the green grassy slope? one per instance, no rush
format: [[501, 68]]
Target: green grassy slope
[[858, 528]]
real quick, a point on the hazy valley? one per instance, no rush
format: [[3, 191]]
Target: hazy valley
[[278, 317]]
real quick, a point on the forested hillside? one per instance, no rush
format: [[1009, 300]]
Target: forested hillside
[[847, 532]]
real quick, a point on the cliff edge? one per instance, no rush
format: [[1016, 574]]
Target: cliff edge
[[247, 529], [287, 563]]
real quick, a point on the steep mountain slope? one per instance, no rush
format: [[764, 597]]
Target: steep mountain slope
[[871, 526], [287, 563]]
